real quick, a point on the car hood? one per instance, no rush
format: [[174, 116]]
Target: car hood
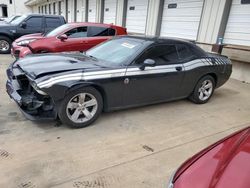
[[225, 165], [31, 36], [37, 65], [5, 25]]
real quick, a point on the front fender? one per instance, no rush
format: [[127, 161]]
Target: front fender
[[58, 91]]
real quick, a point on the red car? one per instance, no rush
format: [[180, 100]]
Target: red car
[[68, 37], [225, 164]]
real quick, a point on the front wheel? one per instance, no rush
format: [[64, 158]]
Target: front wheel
[[81, 107], [204, 90], [5, 45]]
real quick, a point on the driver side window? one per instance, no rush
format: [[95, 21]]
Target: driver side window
[[34, 23], [79, 32], [161, 54]]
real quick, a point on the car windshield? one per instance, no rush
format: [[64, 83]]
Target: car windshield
[[10, 19], [116, 51], [57, 30], [19, 20]]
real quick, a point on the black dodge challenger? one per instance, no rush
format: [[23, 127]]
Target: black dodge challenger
[[121, 73]]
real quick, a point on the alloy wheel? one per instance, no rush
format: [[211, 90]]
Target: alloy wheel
[[82, 107], [206, 89], [4, 45]]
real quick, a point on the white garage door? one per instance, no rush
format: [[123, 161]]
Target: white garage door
[[110, 11], [80, 17], [238, 25], [181, 18], [137, 16], [63, 9], [92, 11], [70, 11]]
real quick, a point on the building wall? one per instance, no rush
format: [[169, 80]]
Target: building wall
[[17, 7]]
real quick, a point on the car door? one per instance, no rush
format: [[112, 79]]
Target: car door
[[75, 40], [31, 25], [154, 84], [97, 35]]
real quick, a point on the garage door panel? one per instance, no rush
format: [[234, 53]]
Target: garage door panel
[[238, 35], [236, 2], [70, 11], [179, 35], [182, 21], [92, 11], [179, 12], [110, 7], [180, 26], [188, 32], [238, 26], [80, 11], [240, 9], [239, 29], [238, 42], [239, 19], [136, 16]]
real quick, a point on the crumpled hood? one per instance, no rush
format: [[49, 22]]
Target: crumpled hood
[[45, 64], [225, 166], [31, 36]]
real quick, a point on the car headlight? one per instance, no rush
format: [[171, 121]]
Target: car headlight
[[25, 42], [38, 90]]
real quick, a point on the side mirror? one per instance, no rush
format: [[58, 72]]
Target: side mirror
[[147, 63], [63, 37], [23, 25]]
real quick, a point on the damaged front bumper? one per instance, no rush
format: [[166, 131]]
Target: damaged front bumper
[[32, 104]]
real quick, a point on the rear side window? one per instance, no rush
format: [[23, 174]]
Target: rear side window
[[52, 22], [184, 52], [111, 32], [34, 23], [100, 31], [162, 54], [78, 32]]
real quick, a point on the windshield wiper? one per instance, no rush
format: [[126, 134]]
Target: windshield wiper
[[92, 57]]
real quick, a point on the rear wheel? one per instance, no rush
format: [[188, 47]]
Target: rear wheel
[[5, 45], [204, 90], [81, 107]]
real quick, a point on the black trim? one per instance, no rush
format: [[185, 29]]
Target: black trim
[[75, 10], [159, 20], [124, 13], [66, 9], [87, 11]]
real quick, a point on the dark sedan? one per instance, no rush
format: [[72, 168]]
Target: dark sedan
[[121, 73]]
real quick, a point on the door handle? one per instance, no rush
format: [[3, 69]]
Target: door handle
[[178, 68], [85, 42]]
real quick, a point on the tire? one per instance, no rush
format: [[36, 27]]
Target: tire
[[203, 90], [5, 45], [76, 112]]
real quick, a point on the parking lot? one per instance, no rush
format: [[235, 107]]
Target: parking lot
[[135, 148]]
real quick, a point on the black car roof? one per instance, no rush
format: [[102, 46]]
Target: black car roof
[[47, 15], [167, 40], [160, 39]]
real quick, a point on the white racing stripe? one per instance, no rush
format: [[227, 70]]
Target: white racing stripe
[[106, 74]]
